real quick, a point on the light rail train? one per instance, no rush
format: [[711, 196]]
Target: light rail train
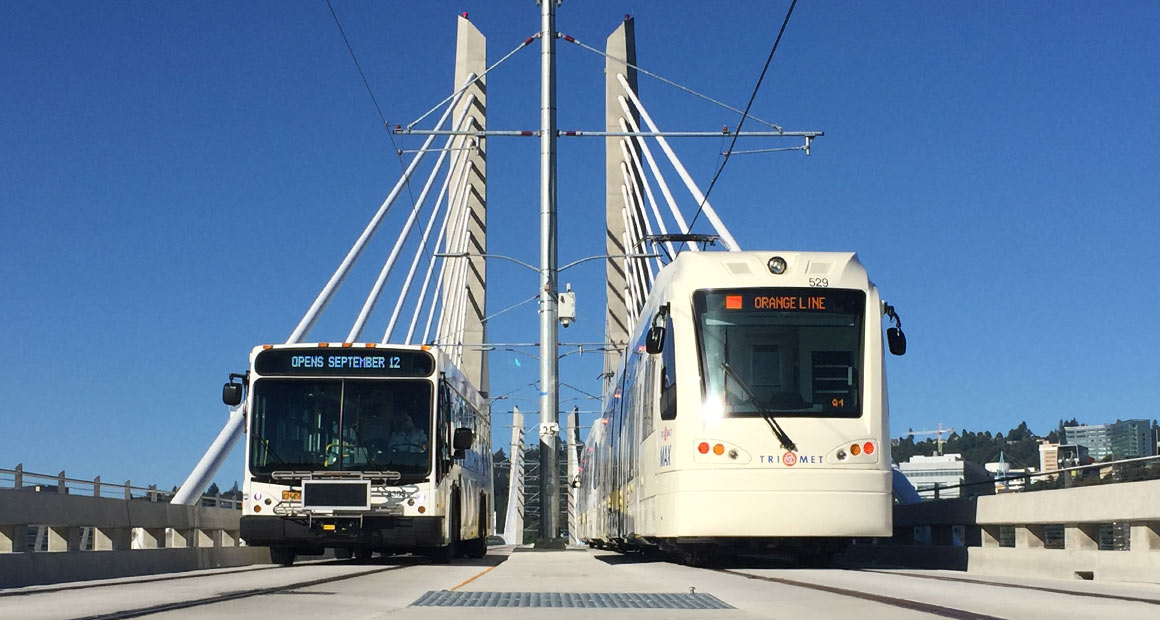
[[748, 414], [363, 448]]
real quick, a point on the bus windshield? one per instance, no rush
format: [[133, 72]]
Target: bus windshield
[[796, 351], [341, 425]]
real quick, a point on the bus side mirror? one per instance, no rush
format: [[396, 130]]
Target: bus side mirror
[[232, 394], [897, 340], [463, 439], [654, 341]]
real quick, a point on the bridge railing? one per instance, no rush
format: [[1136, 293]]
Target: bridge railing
[[60, 483], [56, 528]]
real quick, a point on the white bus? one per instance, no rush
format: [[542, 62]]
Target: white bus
[[363, 448], [749, 413]]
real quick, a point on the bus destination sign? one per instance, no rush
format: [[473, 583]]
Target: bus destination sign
[[345, 362]]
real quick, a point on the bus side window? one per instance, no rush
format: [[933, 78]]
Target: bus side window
[[668, 374]]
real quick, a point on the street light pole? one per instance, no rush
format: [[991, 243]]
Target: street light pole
[[549, 362]]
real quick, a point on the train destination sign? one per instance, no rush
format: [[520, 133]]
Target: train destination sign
[[788, 299], [346, 362]]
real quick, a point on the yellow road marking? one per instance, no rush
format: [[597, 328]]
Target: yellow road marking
[[477, 576]]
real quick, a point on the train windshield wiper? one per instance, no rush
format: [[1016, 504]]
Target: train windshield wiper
[[766, 414]]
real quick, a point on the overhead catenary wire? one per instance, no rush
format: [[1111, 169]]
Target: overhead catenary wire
[[745, 114], [370, 91]]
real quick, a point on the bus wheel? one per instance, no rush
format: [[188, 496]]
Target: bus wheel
[[282, 555], [477, 547], [441, 555]]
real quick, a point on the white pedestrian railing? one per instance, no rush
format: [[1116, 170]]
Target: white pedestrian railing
[[60, 483]]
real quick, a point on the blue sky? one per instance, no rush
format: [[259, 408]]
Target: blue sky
[[179, 180]]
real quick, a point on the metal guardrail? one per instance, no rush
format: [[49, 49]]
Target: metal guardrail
[[60, 483], [1026, 478]]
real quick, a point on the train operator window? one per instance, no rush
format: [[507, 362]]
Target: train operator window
[[668, 374], [791, 352]]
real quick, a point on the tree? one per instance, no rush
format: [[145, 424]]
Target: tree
[[213, 490]]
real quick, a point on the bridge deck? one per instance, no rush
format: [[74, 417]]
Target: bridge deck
[[613, 586]]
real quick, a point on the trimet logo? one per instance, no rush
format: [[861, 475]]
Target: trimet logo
[[789, 459]]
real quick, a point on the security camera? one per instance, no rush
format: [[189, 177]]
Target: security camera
[[567, 306]]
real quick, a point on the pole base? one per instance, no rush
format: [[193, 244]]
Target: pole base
[[551, 544]]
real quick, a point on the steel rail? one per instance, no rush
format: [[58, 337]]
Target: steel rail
[[233, 596]]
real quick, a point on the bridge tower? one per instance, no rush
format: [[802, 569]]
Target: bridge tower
[[621, 44], [471, 59]]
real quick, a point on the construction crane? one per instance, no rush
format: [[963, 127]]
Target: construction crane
[[940, 431]]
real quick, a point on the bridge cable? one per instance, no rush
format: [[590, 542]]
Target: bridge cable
[[376, 291], [656, 171], [667, 81], [745, 114], [528, 41], [686, 178], [421, 250], [435, 295]]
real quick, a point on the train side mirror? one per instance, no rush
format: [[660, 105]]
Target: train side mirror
[[232, 394], [654, 341], [896, 340]]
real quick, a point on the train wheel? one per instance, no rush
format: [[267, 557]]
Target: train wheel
[[282, 555], [698, 558], [363, 554], [343, 553]]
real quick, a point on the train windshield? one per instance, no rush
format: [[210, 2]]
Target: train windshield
[[341, 425], [792, 352]]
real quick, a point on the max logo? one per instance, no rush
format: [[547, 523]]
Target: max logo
[[666, 456], [666, 432]]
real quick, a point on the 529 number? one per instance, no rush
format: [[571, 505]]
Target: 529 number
[[819, 282]]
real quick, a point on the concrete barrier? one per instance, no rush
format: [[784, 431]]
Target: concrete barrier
[[1008, 534], [82, 538]]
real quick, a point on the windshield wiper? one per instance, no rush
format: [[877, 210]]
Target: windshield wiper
[[786, 442]]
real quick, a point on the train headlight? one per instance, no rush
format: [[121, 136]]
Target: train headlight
[[777, 265], [713, 410]]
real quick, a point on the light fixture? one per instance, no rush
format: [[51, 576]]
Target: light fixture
[[776, 265]]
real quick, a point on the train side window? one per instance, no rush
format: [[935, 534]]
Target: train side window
[[668, 374]]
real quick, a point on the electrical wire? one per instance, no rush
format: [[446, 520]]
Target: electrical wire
[[744, 114], [378, 108]]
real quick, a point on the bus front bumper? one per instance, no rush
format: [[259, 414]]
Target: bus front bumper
[[393, 533]]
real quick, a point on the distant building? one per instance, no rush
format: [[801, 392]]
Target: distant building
[[1054, 456], [947, 470], [1122, 439], [1007, 478], [1097, 438], [1048, 457], [1131, 438]]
